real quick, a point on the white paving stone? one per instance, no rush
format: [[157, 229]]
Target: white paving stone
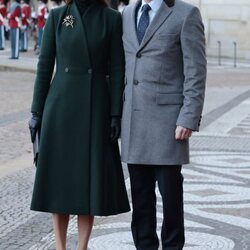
[[222, 159], [230, 119], [123, 241], [229, 219], [225, 193], [195, 176]]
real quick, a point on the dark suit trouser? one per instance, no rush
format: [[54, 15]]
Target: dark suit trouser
[[143, 179]]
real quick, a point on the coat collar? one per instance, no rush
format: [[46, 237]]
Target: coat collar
[[160, 17], [134, 21], [79, 29], [155, 5]]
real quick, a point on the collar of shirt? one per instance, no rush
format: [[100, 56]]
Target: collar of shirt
[[155, 6]]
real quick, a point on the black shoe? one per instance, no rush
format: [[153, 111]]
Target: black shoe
[[1, 48], [23, 50], [14, 58]]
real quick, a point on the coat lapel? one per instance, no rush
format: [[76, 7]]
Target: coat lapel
[[78, 32], [84, 34], [133, 19], [162, 14]]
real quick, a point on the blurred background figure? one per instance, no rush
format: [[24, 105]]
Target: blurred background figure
[[14, 17], [122, 5], [33, 27], [42, 15], [55, 3], [24, 34], [3, 14]]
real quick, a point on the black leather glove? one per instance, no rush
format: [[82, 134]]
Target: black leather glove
[[115, 128], [34, 125]]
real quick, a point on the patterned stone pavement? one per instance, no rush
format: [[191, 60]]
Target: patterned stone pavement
[[217, 181], [217, 205]]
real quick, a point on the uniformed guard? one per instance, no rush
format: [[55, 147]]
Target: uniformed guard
[[3, 14], [24, 35], [42, 15], [14, 17]]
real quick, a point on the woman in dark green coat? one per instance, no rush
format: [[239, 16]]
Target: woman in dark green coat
[[79, 169]]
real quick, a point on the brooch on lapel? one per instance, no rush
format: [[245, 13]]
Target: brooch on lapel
[[68, 21]]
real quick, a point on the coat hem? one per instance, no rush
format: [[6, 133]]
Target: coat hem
[[79, 212]]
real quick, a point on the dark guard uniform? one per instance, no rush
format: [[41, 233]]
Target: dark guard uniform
[[79, 169]]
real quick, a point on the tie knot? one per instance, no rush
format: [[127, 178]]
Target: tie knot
[[146, 8]]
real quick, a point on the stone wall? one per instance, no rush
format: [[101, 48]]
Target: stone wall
[[227, 21]]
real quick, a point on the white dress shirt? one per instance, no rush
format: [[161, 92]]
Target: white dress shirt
[[155, 6]]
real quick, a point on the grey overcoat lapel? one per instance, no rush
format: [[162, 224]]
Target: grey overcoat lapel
[[162, 14], [134, 23]]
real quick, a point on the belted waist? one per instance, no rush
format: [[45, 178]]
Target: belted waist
[[81, 70]]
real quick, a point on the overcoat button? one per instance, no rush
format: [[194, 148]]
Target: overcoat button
[[138, 55], [90, 71], [66, 70], [136, 82]]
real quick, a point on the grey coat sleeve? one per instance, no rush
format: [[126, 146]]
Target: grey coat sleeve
[[194, 59]]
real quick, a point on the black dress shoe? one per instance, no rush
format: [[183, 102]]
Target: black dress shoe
[[1, 48], [14, 58], [23, 50]]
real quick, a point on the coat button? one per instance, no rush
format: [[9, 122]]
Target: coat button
[[66, 70], [90, 71], [138, 55], [136, 82]]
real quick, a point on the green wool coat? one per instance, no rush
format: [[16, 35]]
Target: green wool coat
[[79, 170]]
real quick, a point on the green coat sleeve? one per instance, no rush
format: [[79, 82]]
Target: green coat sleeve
[[117, 64], [45, 66]]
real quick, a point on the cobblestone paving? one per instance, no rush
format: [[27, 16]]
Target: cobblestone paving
[[217, 182], [15, 99], [217, 205]]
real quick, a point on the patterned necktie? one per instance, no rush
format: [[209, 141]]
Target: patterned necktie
[[143, 22]]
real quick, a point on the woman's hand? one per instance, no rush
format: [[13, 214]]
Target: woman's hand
[[115, 128], [34, 125]]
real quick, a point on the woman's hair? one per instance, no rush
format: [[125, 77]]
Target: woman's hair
[[105, 2]]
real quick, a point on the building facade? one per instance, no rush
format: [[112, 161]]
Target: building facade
[[227, 22]]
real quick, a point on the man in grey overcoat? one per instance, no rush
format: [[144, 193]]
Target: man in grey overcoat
[[164, 47]]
